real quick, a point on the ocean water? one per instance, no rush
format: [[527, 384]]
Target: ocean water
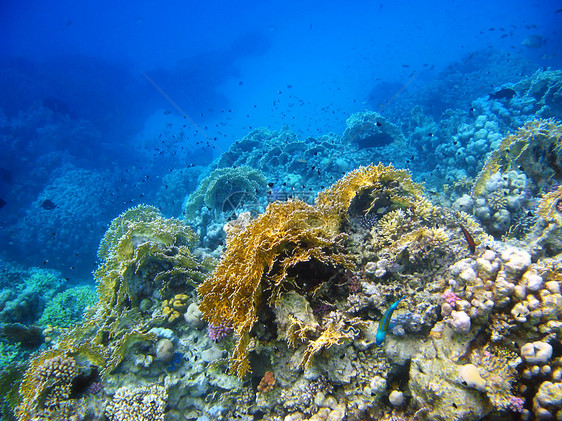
[[106, 106]]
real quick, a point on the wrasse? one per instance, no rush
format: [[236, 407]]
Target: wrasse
[[469, 239], [384, 321]]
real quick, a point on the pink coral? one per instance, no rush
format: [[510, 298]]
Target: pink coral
[[218, 333], [450, 297], [516, 404]]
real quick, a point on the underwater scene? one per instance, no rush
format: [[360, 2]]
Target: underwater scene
[[281, 210]]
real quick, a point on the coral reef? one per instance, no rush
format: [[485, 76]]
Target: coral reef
[[137, 404], [534, 149], [145, 258], [66, 308], [68, 230], [47, 386], [262, 260], [284, 326], [371, 130], [219, 197], [275, 251]]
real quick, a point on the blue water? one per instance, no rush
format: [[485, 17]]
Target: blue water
[[75, 91], [105, 106]]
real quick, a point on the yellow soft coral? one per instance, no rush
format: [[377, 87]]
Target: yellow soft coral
[[263, 259], [258, 260], [532, 148], [550, 206]]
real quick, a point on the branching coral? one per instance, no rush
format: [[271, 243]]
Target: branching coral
[[66, 308], [138, 404], [47, 385], [499, 369]]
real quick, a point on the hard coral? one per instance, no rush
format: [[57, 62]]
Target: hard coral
[[536, 148], [174, 307], [218, 190], [146, 403], [267, 382], [142, 252], [47, 386], [369, 190]]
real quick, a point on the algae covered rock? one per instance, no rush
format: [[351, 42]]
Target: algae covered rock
[[445, 389]]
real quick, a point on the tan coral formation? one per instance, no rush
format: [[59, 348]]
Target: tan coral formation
[[147, 403]]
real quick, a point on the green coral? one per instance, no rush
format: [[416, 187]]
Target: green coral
[[44, 281], [66, 308], [9, 352], [149, 254], [219, 186], [11, 376]]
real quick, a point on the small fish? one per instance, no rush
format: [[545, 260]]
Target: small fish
[[2, 203], [505, 93], [48, 205], [469, 239], [533, 41], [384, 321]]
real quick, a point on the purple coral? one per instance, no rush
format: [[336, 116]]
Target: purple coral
[[219, 332], [95, 388], [516, 404], [450, 297]]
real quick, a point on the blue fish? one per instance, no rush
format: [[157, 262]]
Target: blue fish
[[384, 321], [176, 362]]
